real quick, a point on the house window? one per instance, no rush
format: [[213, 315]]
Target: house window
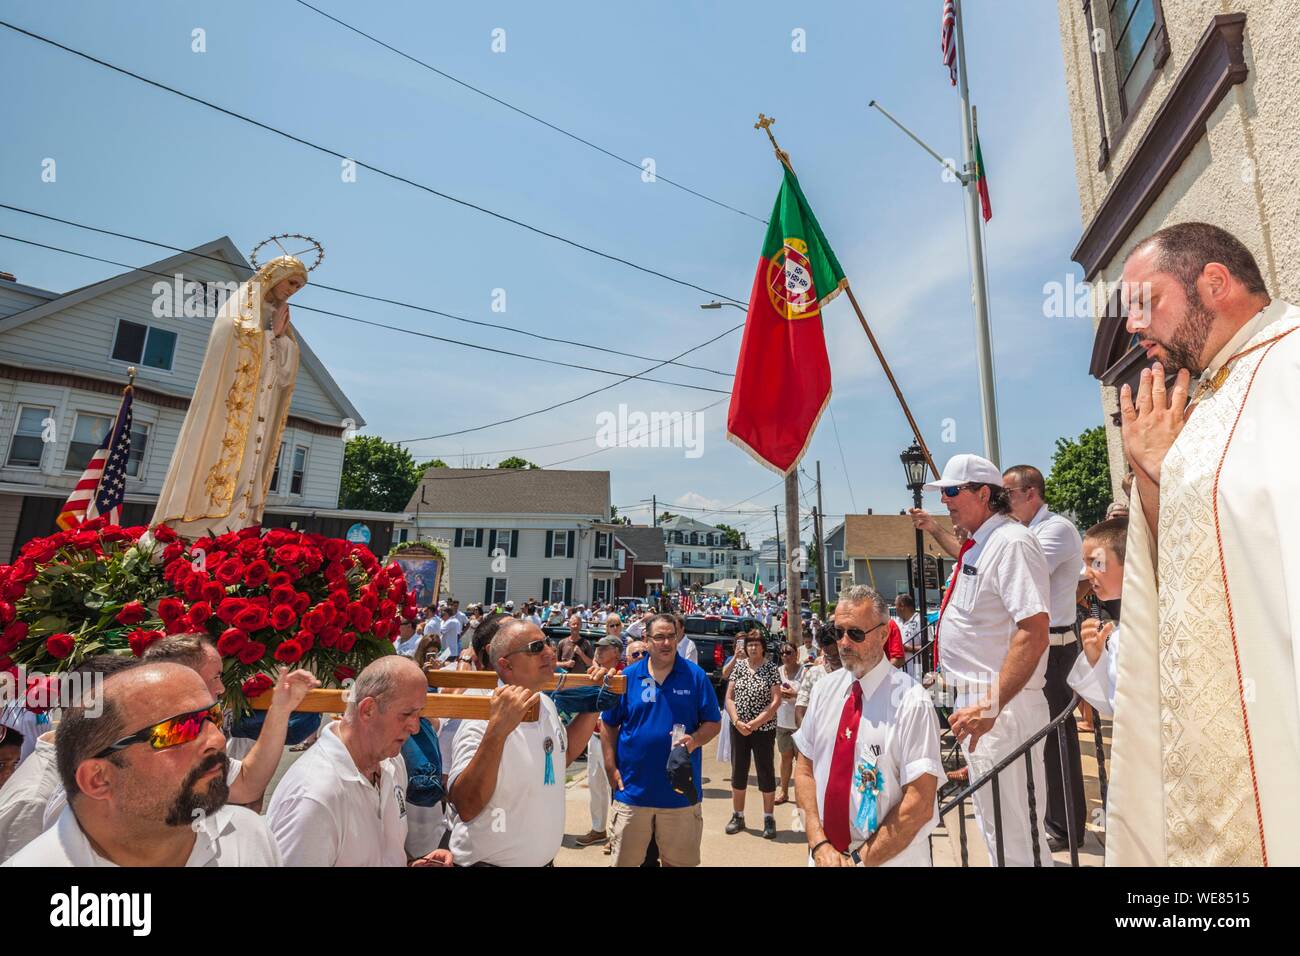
[[27, 447], [560, 544], [1132, 24], [599, 590], [839, 585], [275, 475], [602, 545], [495, 592], [557, 590], [139, 442], [88, 433], [144, 345], [299, 470], [839, 559], [468, 538]]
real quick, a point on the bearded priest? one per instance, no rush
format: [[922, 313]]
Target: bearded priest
[[1206, 758], [225, 454]]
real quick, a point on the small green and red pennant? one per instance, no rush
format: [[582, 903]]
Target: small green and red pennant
[[783, 376]]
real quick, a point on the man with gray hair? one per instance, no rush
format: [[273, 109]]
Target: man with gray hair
[[506, 782], [869, 764], [344, 802]]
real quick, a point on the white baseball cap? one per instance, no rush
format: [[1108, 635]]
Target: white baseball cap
[[965, 469]]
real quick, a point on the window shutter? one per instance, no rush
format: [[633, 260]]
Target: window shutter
[[568, 588], [456, 543], [571, 536], [487, 594], [546, 591], [514, 544], [478, 538], [492, 540], [550, 544]]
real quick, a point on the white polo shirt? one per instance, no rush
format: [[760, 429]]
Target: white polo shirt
[[1063, 548], [233, 836], [522, 823], [1002, 579], [451, 636], [325, 813], [897, 736], [687, 649], [433, 626], [24, 797]]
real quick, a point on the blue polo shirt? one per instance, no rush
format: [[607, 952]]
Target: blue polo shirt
[[645, 715]]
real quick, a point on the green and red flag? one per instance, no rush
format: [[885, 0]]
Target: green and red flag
[[982, 181], [783, 377]]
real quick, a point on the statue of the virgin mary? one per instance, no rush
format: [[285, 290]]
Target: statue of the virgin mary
[[225, 455]]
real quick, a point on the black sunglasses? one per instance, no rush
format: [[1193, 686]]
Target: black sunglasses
[[532, 648], [636, 656], [954, 492], [856, 634]]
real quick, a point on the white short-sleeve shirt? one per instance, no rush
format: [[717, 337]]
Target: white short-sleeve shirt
[[325, 813], [897, 736], [522, 823], [1063, 549], [687, 649], [25, 796], [233, 836], [1002, 579]]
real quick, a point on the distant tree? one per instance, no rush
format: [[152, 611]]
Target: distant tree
[[615, 519], [435, 463], [518, 463], [1079, 484], [377, 475], [729, 535], [665, 516]]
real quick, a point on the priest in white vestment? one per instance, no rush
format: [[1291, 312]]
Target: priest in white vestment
[[226, 452], [1206, 756]]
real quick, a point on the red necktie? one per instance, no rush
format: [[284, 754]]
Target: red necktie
[[947, 595], [835, 821]]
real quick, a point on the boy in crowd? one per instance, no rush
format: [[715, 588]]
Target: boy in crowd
[[1093, 674]]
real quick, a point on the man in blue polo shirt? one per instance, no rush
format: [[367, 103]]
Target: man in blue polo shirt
[[664, 689]]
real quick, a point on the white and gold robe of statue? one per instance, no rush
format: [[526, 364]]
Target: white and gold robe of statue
[[225, 454], [1206, 756]]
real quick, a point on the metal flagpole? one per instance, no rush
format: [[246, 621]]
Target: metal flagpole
[[979, 290]]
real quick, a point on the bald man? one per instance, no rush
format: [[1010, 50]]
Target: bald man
[[146, 781], [344, 802], [506, 781]]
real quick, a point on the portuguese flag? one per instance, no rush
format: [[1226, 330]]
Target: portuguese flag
[[982, 181], [783, 378]]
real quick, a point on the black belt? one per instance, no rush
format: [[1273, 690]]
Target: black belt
[[1068, 629]]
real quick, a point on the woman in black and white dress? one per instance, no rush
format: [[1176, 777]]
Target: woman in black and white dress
[[753, 698]]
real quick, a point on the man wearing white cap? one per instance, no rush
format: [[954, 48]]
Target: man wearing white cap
[[993, 650]]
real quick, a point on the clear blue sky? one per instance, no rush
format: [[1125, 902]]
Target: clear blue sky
[[677, 82]]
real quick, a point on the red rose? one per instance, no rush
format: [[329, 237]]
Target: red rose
[[164, 534], [230, 572], [135, 532], [170, 608], [85, 540], [256, 686], [410, 611], [231, 642], [229, 607], [180, 625], [140, 640], [288, 652], [278, 579], [12, 591], [334, 549], [253, 652], [339, 599], [23, 571], [40, 550], [305, 640], [251, 618], [283, 617], [132, 613], [343, 672], [252, 531], [288, 554], [360, 617], [113, 533], [11, 636], [347, 641], [6, 612], [387, 609], [193, 588], [369, 601], [329, 637], [256, 574], [59, 645], [213, 592], [173, 551], [312, 559], [250, 548], [200, 611], [397, 592], [315, 620], [301, 601], [283, 594]]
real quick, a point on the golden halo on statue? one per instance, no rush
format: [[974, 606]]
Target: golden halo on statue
[[312, 244]]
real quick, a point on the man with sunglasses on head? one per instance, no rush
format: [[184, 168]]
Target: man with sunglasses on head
[[993, 640], [506, 782], [868, 765], [144, 765]]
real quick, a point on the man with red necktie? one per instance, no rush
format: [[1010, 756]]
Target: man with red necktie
[[868, 763], [993, 627]]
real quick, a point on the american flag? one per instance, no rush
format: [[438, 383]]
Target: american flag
[[949, 42], [102, 486]]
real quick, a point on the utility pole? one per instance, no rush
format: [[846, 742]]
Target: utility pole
[[821, 544], [776, 519], [793, 562], [654, 511]]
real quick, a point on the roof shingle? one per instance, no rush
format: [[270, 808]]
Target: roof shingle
[[512, 491]]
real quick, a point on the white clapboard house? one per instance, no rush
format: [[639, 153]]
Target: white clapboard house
[[518, 533], [63, 363]]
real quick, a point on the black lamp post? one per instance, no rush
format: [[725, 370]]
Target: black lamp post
[[914, 464]]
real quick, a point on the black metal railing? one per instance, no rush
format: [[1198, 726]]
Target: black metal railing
[[1025, 752]]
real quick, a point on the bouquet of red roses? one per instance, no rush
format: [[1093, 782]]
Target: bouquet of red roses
[[265, 598]]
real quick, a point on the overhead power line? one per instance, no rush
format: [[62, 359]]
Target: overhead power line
[[360, 295], [396, 177], [659, 177], [394, 328]]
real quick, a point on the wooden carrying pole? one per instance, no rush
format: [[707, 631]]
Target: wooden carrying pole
[[765, 124], [487, 680]]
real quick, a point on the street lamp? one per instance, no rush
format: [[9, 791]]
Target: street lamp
[[715, 304], [914, 465]]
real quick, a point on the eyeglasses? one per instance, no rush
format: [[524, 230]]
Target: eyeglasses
[[856, 634], [636, 656], [954, 492], [171, 732], [532, 648]]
